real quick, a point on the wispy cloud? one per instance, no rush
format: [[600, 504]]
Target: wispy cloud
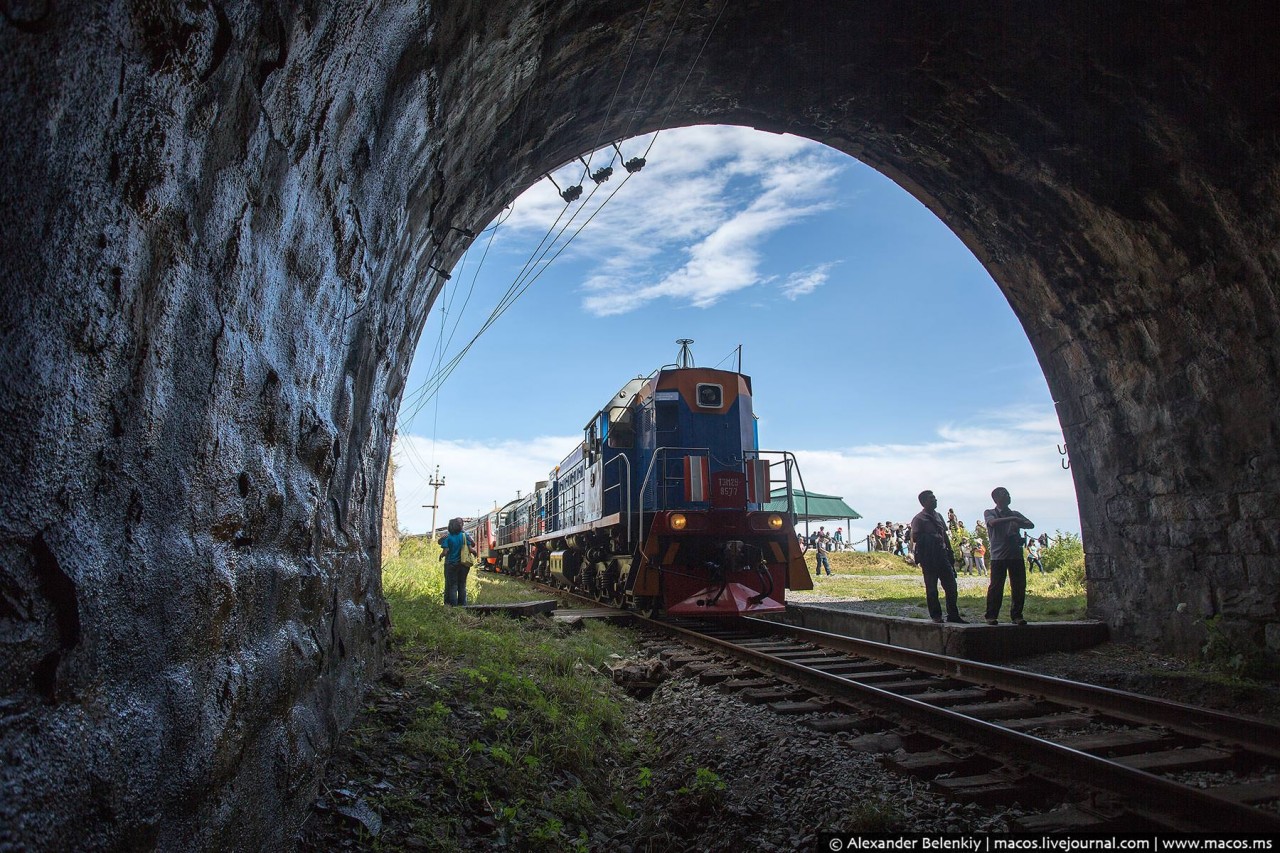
[[689, 226], [1013, 447], [476, 474], [804, 282]]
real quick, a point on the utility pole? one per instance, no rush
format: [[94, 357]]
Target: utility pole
[[435, 482]]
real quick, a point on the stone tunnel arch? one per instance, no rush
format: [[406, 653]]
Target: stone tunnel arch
[[220, 230], [1086, 210]]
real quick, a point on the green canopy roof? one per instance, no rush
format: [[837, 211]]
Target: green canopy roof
[[811, 506]]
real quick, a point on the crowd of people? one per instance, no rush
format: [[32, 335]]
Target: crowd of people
[[895, 538], [890, 538], [833, 541]]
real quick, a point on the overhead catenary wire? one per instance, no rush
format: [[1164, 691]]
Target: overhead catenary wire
[[524, 279], [412, 456], [622, 76], [411, 400], [426, 392], [656, 63], [432, 386], [428, 389]]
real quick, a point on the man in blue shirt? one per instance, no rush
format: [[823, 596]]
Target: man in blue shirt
[[455, 573], [1004, 529]]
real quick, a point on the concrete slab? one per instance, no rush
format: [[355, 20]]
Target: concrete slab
[[577, 616], [518, 608], [972, 641]]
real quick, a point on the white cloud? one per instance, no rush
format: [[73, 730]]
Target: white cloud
[[1014, 448], [476, 474], [692, 219], [804, 282]]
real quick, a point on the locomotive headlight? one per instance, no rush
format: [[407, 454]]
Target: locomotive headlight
[[677, 521], [772, 522]]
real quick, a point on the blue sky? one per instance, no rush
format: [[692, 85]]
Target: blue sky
[[880, 351]]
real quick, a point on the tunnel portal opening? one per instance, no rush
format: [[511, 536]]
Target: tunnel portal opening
[[223, 229], [864, 324]]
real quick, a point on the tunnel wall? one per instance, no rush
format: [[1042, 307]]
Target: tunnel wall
[[203, 347], [218, 238]]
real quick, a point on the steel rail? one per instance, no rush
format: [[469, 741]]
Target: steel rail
[[1256, 735], [1189, 808]]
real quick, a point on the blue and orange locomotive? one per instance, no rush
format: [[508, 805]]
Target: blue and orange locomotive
[[662, 506]]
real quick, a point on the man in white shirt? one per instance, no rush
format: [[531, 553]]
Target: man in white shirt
[[1004, 529]]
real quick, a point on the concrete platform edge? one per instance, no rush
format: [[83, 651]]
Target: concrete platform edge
[[973, 642]]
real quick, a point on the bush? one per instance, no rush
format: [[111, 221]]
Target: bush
[[1064, 554], [1064, 560], [418, 547], [1235, 654]]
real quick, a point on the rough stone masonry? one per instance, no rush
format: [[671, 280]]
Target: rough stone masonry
[[220, 236]]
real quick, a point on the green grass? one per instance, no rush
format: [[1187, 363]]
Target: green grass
[[515, 723], [894, 587]]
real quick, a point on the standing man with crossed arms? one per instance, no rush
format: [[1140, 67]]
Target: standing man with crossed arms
[[1004, 529]]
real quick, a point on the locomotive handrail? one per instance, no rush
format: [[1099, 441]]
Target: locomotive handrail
[[787, 456], [658, 452], [803, 488], [626, 463]]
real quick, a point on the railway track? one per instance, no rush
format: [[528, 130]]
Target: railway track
[[1086, 758], [1092, 758]]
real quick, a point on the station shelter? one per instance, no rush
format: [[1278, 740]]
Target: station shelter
[[813, 507]]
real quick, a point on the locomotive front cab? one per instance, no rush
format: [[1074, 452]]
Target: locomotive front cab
[[663, 502], [709, 548]]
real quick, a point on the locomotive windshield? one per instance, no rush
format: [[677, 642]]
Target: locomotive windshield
[[710, 396]]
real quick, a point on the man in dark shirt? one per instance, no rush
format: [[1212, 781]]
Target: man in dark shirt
[[935, 557], [1004, 529]]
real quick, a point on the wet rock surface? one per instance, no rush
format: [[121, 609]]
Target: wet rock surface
[[219, 236]]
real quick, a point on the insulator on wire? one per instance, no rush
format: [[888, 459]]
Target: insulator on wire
[[599, 175], [569, 195], [633, 165]]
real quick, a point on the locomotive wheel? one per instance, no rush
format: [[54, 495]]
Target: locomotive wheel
[[612, 586]]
